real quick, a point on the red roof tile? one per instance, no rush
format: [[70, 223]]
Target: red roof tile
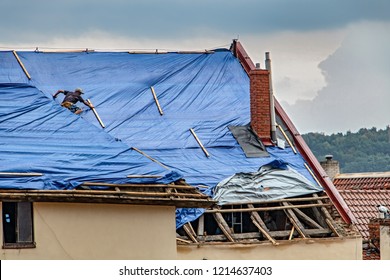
[[363, 181], [363, 204]]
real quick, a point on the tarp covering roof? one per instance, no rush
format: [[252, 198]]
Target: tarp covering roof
[[206, 92]]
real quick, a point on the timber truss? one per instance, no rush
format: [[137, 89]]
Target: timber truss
[[270, 221]]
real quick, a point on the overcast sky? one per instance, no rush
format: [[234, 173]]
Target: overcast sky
[[330, 59]]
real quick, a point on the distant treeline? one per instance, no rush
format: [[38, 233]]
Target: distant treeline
[[367, 150]]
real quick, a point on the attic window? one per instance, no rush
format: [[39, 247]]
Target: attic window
[[17, 225], [248, 140]]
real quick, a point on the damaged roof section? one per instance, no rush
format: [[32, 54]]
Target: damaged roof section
[[166, 119]]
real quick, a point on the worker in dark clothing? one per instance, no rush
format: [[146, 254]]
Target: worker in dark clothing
[[71, 98]]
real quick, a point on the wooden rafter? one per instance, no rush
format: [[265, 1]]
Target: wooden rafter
[[294, 220], [224, 226]]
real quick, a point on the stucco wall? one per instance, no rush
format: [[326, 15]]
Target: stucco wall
[[330, 249], [100, 231]]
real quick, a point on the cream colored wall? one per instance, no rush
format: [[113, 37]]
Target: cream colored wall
[[330, 249], [100, 231], [385, 242]]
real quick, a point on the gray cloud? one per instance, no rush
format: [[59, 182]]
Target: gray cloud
[[357, 87], [171, 18]]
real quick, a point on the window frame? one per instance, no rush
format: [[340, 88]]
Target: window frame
[[17, 207]]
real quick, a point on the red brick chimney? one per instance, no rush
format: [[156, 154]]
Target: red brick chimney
[[260, 104]]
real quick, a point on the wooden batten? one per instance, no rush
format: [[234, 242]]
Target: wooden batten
[[149, 157], [96, 114], [199, 143], [21, 65], [156, 101], [20, 174]]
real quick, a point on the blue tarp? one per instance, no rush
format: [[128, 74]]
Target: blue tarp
[[206, 92]]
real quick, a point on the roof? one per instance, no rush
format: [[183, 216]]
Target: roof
[[363, 181], [363, 192], [363, 204], [165, 115]]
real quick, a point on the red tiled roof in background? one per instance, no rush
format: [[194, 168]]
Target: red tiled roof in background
[[363, 204], [363, 181]]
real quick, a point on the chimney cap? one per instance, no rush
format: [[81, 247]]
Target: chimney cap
[[329, 157]]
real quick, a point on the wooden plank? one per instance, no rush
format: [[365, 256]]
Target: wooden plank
[[297, 199], [96, 114], [294, 220], [224, 226], [329, 219], [20, 174], [190, 232], [258, 222], [143, 176], [21, 65], [282, 234], [291, 233], [264, 208], [101, 184], [309, 221], [287, 139], [201, 225], [156, 101], [332, 227], [149, 157], [199, 143], [182, 240]]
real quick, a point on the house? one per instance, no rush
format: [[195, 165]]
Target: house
[[186, 156], [363, 192]]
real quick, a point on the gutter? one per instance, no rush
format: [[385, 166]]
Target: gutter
[[248, 65]]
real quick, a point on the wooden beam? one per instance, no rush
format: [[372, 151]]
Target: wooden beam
[[182, 240], [296, 199], [305, 218], [291, 233], [20, 174], [264, 208], [190, 232], [329, 219], [224, 226], [201, 226], [281, 234], [149, 157], [143, 176], [101, 184], [199, 143], [287, 139], [156, 101], [96, 114], [258, 222], [312, 174], [21, 65], [294, 220]]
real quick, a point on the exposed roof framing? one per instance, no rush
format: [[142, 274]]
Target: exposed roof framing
[[268, 221], [179, 195]]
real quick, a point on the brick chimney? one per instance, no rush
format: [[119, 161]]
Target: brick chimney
[[260, 104], [331, 166]]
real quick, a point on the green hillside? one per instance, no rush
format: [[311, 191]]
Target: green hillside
[[367, 150]]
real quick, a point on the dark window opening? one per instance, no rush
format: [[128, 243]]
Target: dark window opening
[[17, 225]]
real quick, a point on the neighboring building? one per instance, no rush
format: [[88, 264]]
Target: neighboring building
[[197, 135], [363, 192]]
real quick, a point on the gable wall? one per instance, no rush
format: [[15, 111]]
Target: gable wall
[[99, 231]]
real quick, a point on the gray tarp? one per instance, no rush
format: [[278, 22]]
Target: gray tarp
[[267, 184]]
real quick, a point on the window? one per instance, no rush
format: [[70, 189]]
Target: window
[[17, 225]]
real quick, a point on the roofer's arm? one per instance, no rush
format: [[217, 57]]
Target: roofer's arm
[[58, 92], [87, 103]]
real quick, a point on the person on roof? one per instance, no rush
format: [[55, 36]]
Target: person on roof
[[71, 98]]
